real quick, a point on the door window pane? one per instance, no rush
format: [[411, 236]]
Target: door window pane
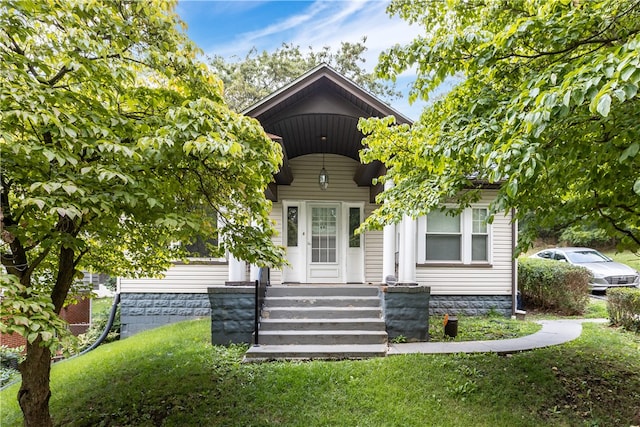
[[354, 223], [292, 226], [323, 234]]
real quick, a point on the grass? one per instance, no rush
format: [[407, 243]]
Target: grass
[[472, 328], [173, 376], [630, 258], [100, 306]]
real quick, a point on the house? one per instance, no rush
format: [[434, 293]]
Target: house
[[320, 196]]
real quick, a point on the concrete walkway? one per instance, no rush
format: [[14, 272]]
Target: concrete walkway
[[553, 332]]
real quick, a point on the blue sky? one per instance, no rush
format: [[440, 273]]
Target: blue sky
[[232, 28]]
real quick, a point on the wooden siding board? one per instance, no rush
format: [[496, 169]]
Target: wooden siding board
[[183, 278]]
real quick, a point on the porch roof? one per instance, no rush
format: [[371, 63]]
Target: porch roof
[[319, 113]]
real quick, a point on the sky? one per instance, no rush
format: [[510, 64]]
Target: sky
[[232, 28]]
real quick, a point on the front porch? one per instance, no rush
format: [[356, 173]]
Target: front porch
[[327, 321]]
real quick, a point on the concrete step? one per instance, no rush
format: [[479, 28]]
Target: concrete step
[[322, 337], [322, 290], [320, 312], [297, 352], [321, 301], [322, 324]]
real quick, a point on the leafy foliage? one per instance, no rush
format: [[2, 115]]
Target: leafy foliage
[[585, 236], [623, 305], [29, 313], [247, 80], [115, 144], [548, 109], [552, 285]]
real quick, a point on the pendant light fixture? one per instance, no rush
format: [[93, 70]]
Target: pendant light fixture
[[323, 177]]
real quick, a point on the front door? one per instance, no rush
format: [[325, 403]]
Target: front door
[[321, 244], [324, 260]]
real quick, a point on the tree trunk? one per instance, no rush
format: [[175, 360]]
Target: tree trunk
[[34, 392]]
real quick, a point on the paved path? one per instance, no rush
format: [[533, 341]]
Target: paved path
[[553, 332]]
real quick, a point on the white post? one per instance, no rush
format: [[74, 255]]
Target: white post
[[254, 272], [388, 245], [407, 256], [237, 269]]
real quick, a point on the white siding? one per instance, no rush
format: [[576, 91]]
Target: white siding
[[180, 278], [469, 280], [444, 280], [342, 188]]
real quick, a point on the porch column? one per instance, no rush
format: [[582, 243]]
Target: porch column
[[254, 272], [237, 269], [407, 255], [388, 245]]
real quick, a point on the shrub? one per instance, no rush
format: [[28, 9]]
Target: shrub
[[9, 360], [554, 285], [585, 236], [623, 305]]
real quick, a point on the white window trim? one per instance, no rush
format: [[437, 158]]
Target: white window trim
[[466, 229]]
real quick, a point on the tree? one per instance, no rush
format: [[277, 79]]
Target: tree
[[248, 80], [115, 145], [548, 109]]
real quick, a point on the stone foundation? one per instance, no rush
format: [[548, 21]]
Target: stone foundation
[[470, 305], [142, 311]]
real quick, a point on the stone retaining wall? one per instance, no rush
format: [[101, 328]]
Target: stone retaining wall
[[142, 311]]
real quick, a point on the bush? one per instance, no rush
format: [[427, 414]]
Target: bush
[[9, 360], [585, 236], [623, 305], [553, 285]]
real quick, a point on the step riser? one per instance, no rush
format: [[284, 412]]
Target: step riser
[[328, 290], [287, 355], [321, 302], [321, 322], [262, 352], [320, 325], [320, 313], [321, 339]]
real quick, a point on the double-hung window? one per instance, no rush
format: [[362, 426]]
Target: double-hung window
[[464, 238], [443, 238]]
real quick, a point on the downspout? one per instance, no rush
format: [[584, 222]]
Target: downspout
[[514, 263], [107, 329]]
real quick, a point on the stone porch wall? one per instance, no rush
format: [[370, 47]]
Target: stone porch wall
[[406, 312]]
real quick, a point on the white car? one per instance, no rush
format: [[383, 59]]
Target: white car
[[606, 272]]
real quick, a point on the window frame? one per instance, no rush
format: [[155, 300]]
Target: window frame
[[209, 259], [466, 231]]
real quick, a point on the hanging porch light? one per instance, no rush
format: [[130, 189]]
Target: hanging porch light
[[323, 177]]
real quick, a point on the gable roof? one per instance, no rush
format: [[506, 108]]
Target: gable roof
[[320, 103]]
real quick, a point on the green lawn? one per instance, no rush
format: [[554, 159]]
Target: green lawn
[[173, 376], [627, 257]]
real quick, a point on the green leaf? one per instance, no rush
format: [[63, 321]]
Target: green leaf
[[21, 320], [604, 104], [630, 151]]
